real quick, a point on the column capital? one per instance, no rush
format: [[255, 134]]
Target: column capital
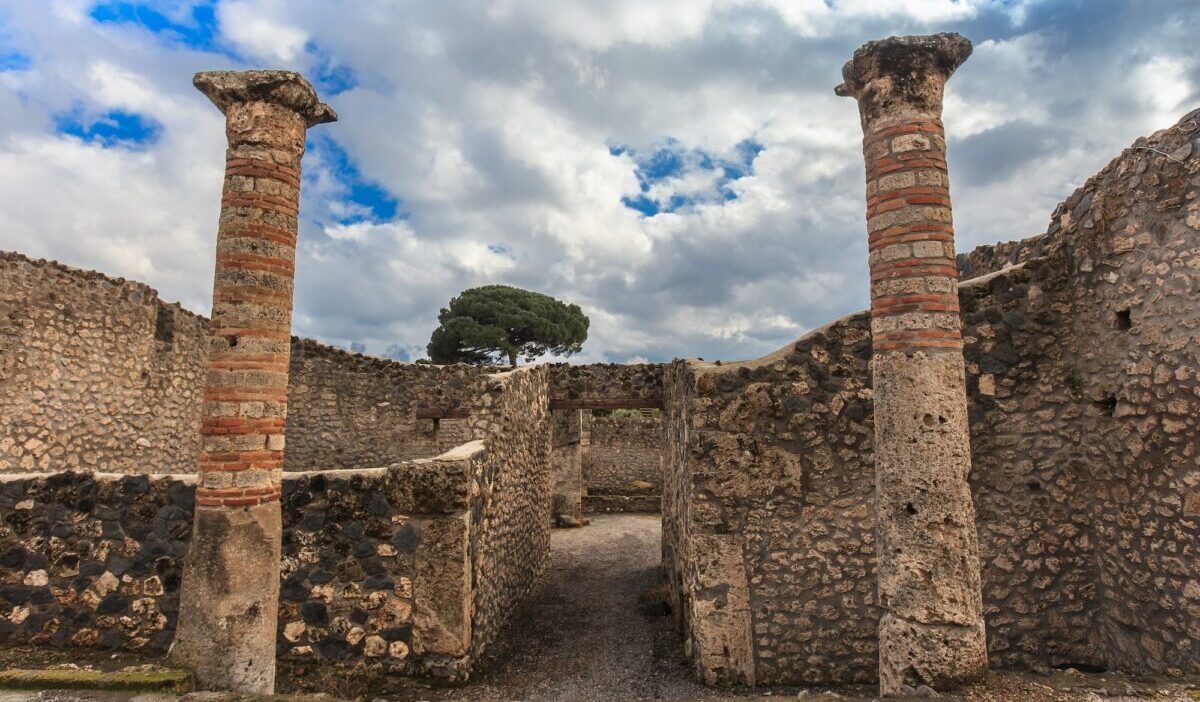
[[286, 89], [899, 76]]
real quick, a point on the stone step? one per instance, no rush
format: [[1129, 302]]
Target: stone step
[[131, 680]]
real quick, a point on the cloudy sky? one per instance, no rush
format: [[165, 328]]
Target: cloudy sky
[[679, 168]]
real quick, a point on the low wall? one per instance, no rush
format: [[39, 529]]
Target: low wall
[[510, 544], [411, 568], [622, 469], [1082, 383], [97, 373]]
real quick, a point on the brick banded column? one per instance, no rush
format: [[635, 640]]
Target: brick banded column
[[230, 597], [932, 630]]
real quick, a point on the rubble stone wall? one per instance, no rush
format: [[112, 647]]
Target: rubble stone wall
[[375, 565], [606, 385], [410, 568], [1082, 380], [622, 468], [348, 410], [510, 508], [94, 561], [97, 373]]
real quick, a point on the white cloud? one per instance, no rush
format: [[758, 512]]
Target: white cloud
[[491, 123], [257, 28]]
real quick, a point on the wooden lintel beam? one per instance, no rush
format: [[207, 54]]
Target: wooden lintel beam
[[606, 403]]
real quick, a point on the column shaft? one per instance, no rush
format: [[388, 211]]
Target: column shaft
[[230, 598], [932, 630]]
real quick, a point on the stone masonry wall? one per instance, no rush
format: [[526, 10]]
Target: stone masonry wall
[[510, 509], [622, 468], [411, 568], [94, 561], [1082, 380], [97, 373], [348, 410], [375, 562], [605, 385]]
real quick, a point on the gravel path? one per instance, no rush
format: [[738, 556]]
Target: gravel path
[[583, 635]]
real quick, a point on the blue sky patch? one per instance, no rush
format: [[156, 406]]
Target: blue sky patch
[[13, 60], [329, 76], [671, 159], [642, 204], [199, 33], [369, 200], [113, 128], [500, 249]]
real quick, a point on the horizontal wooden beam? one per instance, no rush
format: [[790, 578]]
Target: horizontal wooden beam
[[442, 413], [606, 403], [555, 404]]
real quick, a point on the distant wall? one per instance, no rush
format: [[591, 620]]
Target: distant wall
[[347, 410], [622, 464], [97, 373], [1083, 390], [605, 385], [567, 434]]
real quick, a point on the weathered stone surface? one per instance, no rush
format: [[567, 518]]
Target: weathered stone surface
[[928, 555], [605, 385], [429, 555], [230, 90], [102, 375], [1082, 389], [228, 606]]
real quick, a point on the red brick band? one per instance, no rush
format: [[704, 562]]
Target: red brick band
[[258, 168], [246, 393], [914, 300], [931, 126], [236, 497], [254, 262], [253, 230], [271, 203]]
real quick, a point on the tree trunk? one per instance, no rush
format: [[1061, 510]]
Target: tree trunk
[[512, 358]]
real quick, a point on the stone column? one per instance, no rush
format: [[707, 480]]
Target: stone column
[[932, 630], [230, 594]]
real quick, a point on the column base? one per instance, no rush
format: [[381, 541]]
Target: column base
[[942, 656], [229, 602]]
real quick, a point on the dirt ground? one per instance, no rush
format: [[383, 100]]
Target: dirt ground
[[583, 636]]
